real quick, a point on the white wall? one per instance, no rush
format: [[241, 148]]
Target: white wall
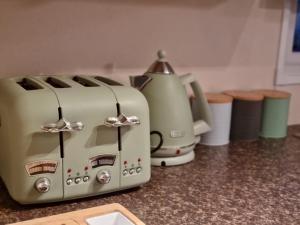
[[227, 43]]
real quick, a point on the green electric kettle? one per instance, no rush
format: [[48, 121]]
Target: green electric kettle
[[173, 131]]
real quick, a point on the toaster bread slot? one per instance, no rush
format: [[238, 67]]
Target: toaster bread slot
[[28, 84], [84, 82], [108, 81], [56, 83]]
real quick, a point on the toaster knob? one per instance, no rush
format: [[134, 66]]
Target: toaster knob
[[42, 185], [103, 177]]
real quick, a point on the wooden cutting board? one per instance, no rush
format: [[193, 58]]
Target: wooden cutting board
[[78, 217]]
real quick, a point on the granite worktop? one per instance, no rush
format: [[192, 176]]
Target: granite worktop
[[254, 182]]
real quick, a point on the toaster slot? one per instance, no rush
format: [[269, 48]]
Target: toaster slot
[[108, 81], [28, 84], [84, 82], [56, 83]]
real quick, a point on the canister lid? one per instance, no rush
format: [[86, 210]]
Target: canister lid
[[218, 98], [244, 95], [161, 66], [271, 93]]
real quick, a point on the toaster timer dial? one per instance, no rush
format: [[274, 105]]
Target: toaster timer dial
[[42, 185], [103, 177], [40, 167], [102, 160]]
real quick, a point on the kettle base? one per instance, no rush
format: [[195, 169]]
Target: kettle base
[[173, 161]]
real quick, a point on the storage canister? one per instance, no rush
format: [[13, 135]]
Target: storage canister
[[220, 107], [246, 114], [275, 113]]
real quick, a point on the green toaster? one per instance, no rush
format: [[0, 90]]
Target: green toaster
[[67, 137]]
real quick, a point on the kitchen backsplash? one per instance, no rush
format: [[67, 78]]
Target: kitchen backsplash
[[227, 44]]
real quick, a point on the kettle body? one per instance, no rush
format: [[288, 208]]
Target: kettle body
[[173, 131], [170, 115]]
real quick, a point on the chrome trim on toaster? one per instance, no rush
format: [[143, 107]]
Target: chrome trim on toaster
[[62, 125], [121, 121]]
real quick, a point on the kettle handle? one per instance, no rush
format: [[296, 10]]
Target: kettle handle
[[203, 118]]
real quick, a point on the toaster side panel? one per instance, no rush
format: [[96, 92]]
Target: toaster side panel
[[135, 140], [27, 153]]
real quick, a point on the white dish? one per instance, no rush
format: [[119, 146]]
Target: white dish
[[115, 218]]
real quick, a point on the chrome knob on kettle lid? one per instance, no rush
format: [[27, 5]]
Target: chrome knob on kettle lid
[[161, 66]]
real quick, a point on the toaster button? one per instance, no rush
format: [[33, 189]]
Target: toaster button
[[77, 180], [138, 169], [131, 171], [125, 172], [69, 181], [86, 179]]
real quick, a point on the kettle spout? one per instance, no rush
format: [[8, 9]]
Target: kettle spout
[[139, 82]]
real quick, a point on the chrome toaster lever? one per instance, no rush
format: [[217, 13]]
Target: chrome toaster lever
[[121, 121], [62, 125]]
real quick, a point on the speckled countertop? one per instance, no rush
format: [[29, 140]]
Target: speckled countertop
[[243, 183]]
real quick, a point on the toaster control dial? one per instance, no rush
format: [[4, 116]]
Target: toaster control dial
[[42, 185], [103, 177]]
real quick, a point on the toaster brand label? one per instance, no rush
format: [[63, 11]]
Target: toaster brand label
[[102, 160], [40, 167]]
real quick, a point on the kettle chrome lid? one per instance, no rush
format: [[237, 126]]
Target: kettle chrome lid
[[161, 66]]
